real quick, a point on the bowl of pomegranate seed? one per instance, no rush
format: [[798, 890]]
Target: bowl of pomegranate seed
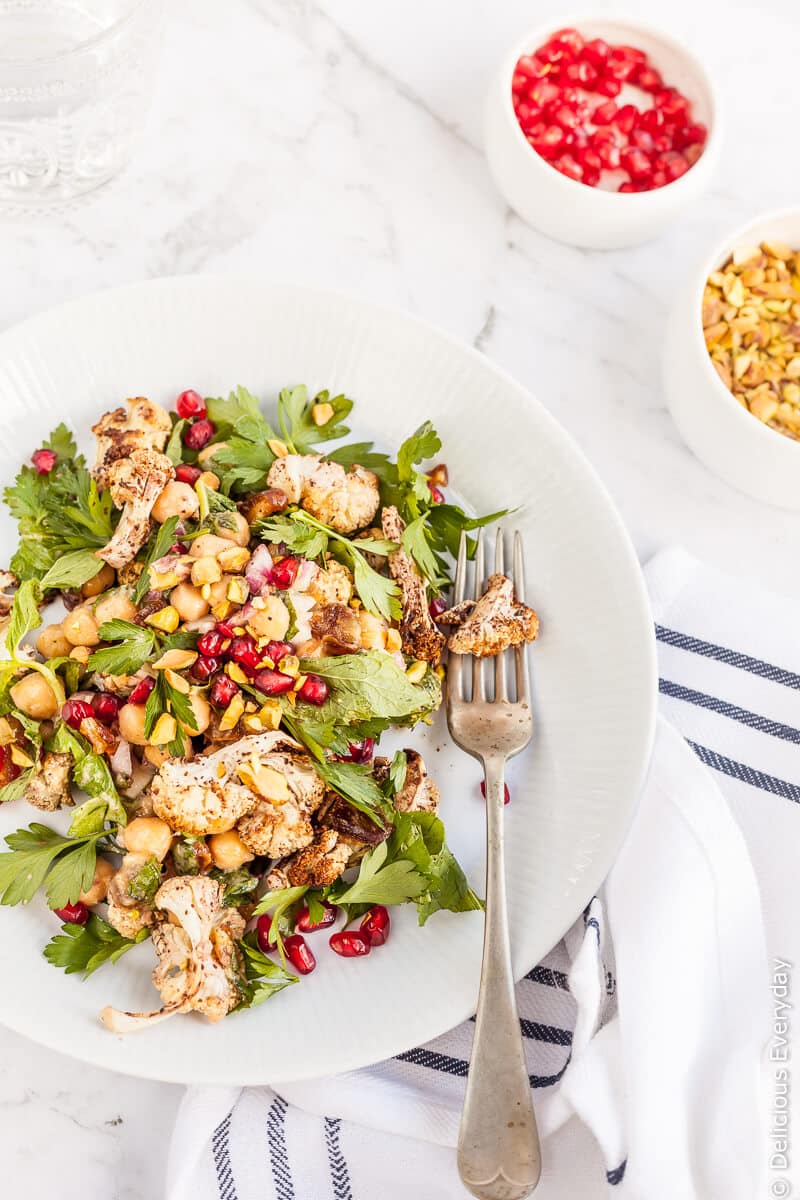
[[600, 132], [732, 359]]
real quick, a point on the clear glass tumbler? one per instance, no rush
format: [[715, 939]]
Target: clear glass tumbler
[[76, 78]]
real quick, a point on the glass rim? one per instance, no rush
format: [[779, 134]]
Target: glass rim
[[89, 43]]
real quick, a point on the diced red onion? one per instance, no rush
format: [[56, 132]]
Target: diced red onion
[[259, 570]]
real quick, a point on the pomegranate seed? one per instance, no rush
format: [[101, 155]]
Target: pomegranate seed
[[661, 143], [437, 606], [673, 164], [73, 914], [626, 118], [657, 180], [648, 79], [376, 925], [547, 140], [506, 792], [608, 154], [596, 52], [44, 461], [178, 548], [350, 943], [437, 495], [306, 925], [570, 38], [619, 66], [531, 66], [608, 86], [190, 404], [567, 117], [652, 120], [554, 52], [642, 140], [692, 153], [299, 954], [278, 651], [591, 163], [244, 651], [212, 643], [672, 103], [582, 73], [567, 165], [222, 691], [284, 572], [106, 707], [604, 113], [361, 752], [690, 135], [198, 435], [273, 683], [629, 186], [8, 768], [518, 81], [186, 473], [591, 176], [528, 116], [263, 926], [314, 690], [75, 711], [636, 163], [205, 667], [225, 628], [142, 691], [543, 92]]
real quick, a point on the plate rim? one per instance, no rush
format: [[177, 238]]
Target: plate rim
[[593, 876]]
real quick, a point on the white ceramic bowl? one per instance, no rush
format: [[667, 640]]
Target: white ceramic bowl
[[729, 440], [572, 212]]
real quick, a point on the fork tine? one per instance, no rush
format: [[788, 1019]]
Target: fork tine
[[523, 679], [478, 678], [500, 685], [455, 689]]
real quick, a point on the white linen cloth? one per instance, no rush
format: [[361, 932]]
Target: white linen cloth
[[657, 1045]]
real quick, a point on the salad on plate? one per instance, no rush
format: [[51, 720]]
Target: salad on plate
[[207, 632]]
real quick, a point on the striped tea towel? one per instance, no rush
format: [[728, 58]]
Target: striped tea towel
[[647, 1022]]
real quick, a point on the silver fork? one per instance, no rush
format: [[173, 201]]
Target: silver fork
[[498, 1144]]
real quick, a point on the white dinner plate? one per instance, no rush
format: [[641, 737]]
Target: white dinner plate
[[573, 790]]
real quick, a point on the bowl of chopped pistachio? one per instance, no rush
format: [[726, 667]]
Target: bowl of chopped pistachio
[[732, 360]]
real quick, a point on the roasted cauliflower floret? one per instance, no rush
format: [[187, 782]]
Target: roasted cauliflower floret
[[135, 484], [198, 959], [333, 585], [419, 793], [345, 500], [277, 826], [143, 426], [317, 865], [128, 914], [421, 638], [493, 623], [49, 788]]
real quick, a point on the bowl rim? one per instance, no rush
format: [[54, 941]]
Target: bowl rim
[[522, 45], [96, 39], [712, 262]]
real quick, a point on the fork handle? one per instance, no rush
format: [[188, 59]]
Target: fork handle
[[498, 1143]]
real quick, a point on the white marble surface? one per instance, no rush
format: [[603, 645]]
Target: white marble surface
[[340, 144]]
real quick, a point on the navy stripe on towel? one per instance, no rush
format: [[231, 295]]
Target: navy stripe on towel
[[458, 1066], [279, 1158], [545, 1033], [549, 977], [775, 728], [618, 1174], [737, 770], [340, 1176], [744, 662], [220, 1150]]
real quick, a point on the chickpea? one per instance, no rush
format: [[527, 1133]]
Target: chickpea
[[52, 643], [208, 545], [101, 582], [188, 602], [272, 621], [80, 628], [34, 696], [219, 591], [202, 713], [240, 534], [104, 872], [131, 724], [147, 835], [176, 500], [209, 451], [117, 606], [228, 851], [210, 480]]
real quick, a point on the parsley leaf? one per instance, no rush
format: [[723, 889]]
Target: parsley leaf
[[280, 903], [86, 947], [422, 444], [164, 698], [93, 776], [381, 881], [174, 446], [72, 570], [23, 619], [146, 882], [298, 426], [355, 782], [262, 977], [135, 645], [366, 686], [38, 855], [244, 460], [361, 454]]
